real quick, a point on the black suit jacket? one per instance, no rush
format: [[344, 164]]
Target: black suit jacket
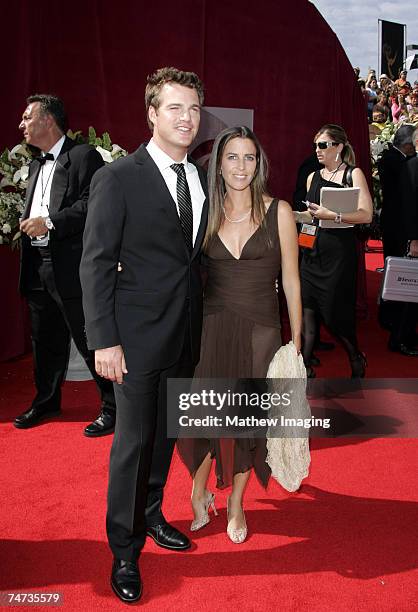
[[410, 198], [390, 168], [132, 219], [70, 186]]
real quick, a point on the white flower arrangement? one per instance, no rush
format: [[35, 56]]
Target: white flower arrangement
[[11, 208], [14, 172], [14, 167], [377, 147]]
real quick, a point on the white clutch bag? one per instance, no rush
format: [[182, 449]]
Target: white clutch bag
[[289, 457]]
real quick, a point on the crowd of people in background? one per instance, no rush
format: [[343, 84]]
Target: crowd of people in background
[[388, 101]]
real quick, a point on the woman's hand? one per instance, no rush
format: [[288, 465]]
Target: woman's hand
[[298, 344], [320, 212]]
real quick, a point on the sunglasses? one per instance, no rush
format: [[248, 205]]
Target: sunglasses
[[324, 144]]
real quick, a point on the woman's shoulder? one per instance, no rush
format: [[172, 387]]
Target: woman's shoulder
[[313, 176], [275, 202], [277, 209], [284, 209]]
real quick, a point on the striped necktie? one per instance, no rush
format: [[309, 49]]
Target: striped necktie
[[185, 204]]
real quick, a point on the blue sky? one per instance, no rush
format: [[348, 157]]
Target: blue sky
[[356, 24]]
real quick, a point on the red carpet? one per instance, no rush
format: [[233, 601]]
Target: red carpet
[[347, 541]]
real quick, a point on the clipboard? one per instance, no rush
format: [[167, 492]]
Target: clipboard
[[339, 201]]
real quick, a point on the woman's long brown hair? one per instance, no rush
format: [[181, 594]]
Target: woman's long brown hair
[[216, 184]]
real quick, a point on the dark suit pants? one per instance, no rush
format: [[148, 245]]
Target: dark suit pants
[[389, 311], [140, 457], [404, 324], [53, 322]]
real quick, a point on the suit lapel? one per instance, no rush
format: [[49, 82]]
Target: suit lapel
[[204, 215], [34, 173], [59, 181], [163, 195], [159, 188]]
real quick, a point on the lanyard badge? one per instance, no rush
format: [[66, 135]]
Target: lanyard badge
[[307, 236]]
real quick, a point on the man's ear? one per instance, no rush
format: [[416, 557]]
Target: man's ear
[[49, 120]]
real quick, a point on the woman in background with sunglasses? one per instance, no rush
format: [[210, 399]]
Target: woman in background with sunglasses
[[329, 267]]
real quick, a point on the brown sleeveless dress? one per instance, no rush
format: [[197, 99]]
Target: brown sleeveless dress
[[241, 333]]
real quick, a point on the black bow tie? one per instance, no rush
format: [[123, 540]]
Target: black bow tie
[[43, 158]]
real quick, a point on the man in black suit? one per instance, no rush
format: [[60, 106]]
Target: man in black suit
[[142, 299], [52, 229], [391, 169], [404, 329], [410, 199]]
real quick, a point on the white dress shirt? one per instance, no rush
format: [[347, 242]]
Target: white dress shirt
[[163, 162], [42, 193]]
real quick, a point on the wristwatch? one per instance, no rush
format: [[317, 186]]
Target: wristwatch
[[48, 223], [338, 218]]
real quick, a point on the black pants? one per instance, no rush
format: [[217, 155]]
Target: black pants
[[140, 457], [398, 317], [404, 324], [53, 322]]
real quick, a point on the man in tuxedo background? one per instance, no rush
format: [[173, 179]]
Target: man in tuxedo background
[[410, 198], [391, 167], [142, 299], [404, 329], [52, 229]]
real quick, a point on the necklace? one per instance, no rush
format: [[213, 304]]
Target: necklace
[[43, 189], [236, 220], [332, 173]]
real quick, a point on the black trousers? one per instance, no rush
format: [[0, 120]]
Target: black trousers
[[53, 322], [399, 317], [404, 324], [141, 455]]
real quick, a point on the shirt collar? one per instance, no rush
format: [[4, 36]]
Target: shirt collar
[[161, 158], [56, 149]]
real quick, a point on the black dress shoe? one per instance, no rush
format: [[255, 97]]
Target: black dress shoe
[[167, 536], [33, 416], [102, 426], [126, 580], [409, 351]]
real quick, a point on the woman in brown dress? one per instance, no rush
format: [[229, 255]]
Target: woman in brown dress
[[250, 237]]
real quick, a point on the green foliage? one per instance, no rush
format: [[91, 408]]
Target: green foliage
[[106, 142], [92, 137]]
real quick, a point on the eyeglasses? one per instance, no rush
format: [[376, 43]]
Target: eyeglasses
[[324, 144]]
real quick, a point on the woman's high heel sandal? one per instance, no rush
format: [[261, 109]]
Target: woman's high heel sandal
[[236, 535], [358, 366], [204, 519]]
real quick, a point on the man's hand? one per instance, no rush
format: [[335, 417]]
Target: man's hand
[[110, 363], [34, 227], [413, 248]]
